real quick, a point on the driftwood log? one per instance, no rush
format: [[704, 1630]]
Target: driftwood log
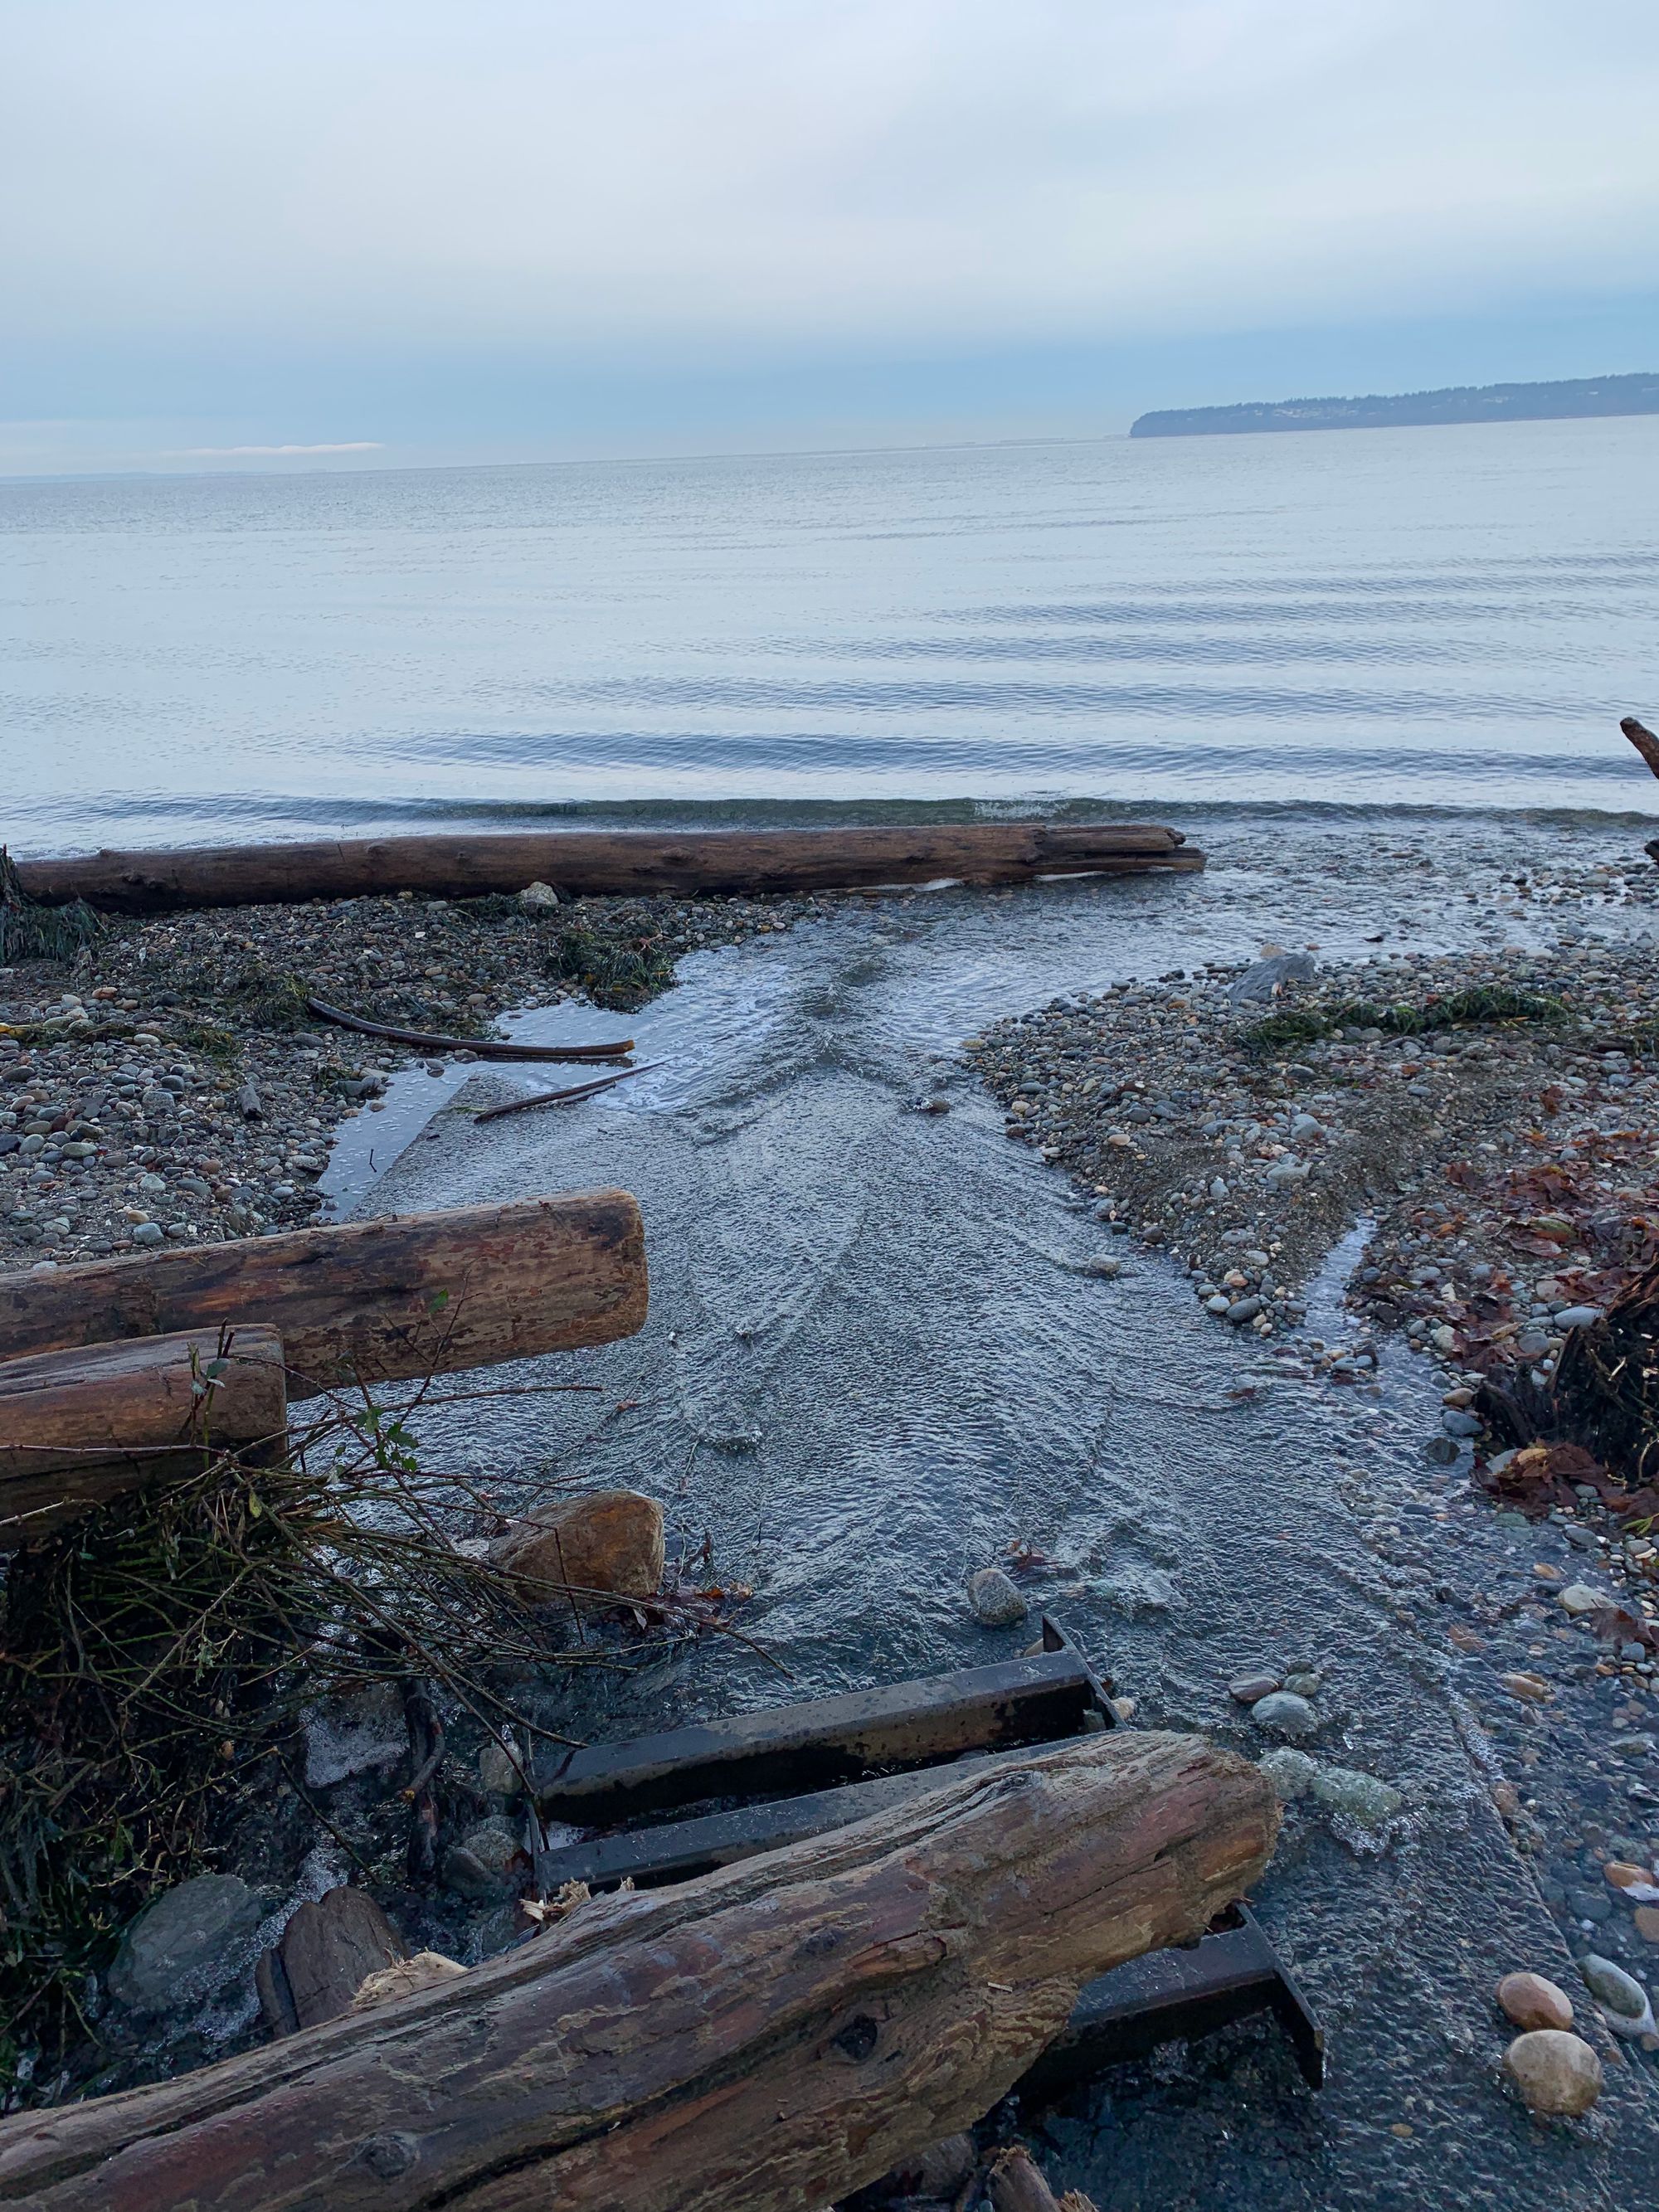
[[415, 1294], [78, 1427], [771, 2036], [584, 861]]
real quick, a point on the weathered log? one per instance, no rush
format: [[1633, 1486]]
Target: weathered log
[[1644, 740], [773, 2035], [81, 1426], [580, 862], [415, 1294]]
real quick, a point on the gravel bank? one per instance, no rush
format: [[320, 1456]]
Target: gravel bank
[[168, 1084]]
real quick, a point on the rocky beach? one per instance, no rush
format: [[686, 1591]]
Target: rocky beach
[[1308, 1199]]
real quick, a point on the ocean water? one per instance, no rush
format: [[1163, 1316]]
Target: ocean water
[[1436, 619]]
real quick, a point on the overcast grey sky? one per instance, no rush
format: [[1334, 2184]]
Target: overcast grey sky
[[494, 228]]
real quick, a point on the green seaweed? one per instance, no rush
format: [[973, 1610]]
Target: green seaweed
[[1481, 1005], [29, 931]]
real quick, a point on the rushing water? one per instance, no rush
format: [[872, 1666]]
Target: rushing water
[[1452, 617], [876, 1358]]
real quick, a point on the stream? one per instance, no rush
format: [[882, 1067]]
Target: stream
[[876, 1358]]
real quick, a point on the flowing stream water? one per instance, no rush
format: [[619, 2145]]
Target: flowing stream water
[[876, 1358]]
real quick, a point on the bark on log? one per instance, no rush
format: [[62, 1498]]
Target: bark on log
[[414, 1294], [773, 2035], [78, 1427], [582, 862]]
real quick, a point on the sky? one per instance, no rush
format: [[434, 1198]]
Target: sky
[[391, 233]]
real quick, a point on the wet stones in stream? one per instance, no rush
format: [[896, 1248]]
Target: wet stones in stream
[[996, 1603]]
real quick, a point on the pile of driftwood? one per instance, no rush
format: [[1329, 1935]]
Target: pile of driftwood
[[773, 2035], [116, 1371]]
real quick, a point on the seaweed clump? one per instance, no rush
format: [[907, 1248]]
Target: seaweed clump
[[621, 958], [29, 931], [1295, 1026]]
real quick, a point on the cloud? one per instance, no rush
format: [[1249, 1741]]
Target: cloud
[[735, 173], [235, 222], [266, 453]]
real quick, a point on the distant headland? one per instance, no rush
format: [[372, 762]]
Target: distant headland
[[1460, 403]]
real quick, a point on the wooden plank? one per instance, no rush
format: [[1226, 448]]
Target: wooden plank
[[822, 1743], [390, 1300], [82, 1426], [774, 2036], [583, 862]]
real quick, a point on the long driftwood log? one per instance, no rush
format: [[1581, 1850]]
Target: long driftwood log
[[414, 1294], [79, 1427], [765, 2038], [585, 861]]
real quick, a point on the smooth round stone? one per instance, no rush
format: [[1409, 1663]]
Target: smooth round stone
[[1622, 2000], [1304, 1682], [149, 1233], [1250, 1689], [1285, 1714], [994, 1599], [1532, 2003], [1361, 1797], [1555, 2072], [1577, 1317], [1458, 1423], [1291, 1772]]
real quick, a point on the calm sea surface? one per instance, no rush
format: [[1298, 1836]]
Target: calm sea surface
[[1436, 618]]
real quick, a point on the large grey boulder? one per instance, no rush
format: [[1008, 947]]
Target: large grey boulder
[[188, 1943]]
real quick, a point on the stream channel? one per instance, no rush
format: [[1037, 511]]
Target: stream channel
[[876, 1358]]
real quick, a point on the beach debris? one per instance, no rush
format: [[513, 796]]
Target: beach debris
[[1166, 1829], [1266, 978], [585, 1552], [1556, 2074], [1635, 1884], [82, 1426], [408, 1296], [601, 861], [563, 1097], [485, 1048], [1015, 2183], [995, 1601], [426, 1970], [1532, 2001]]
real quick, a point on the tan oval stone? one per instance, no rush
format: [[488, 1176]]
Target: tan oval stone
[[1531, 2002], [607, 1544], [423, 1972], [1556, 2073]]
